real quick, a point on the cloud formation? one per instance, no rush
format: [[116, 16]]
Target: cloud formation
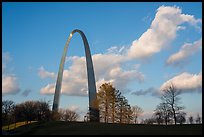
[[186, 50], [9, 80], [9, 84], [161, 32], [185, 82], [107, 68], [45, 74]]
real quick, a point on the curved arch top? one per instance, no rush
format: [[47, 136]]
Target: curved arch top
[[93, 109]]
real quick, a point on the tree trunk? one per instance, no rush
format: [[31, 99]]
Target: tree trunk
[[174, 116], [166, 120]]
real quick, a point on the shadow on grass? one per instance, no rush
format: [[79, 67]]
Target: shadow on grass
[[82, 128]]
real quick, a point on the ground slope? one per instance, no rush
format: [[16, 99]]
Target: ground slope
[[81, 128]]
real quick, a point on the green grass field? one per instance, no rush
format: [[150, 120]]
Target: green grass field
[[81, 128]]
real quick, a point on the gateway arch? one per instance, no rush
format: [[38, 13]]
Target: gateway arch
[[93, 108]]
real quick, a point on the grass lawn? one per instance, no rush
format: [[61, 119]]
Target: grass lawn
[[81, 128], [18, 124]]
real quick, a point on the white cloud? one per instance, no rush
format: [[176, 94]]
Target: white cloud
[[116, 50], [9, 80], [103, 63], [161, 32], [45, 74], [185, 82], [186, 50], [107, 68], [49, 89], [9, 84], [74, 79], [122, 77]]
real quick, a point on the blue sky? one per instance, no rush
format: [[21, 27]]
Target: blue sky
[[134, 45]]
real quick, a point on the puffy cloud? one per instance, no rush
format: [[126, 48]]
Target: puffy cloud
[[107, 68], [186, 50], [162, 31], [122, 77], [74, 80], [185, 82], [49, 89], [45, 74], [9, 84]]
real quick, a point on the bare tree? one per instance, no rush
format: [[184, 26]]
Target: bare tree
[[137, 111], [181, 117], [162, 113], [190, 119], [7, 110], [170, 97], [32, 110], [56, 115], [42, 111], [70, 115], [198, 119], [158, 117], [148, 121]]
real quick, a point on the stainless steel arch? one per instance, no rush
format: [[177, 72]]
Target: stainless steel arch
[[93, 108]]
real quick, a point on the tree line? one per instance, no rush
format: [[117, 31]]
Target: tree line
[[170, 110], [113, 108], [33, 111]]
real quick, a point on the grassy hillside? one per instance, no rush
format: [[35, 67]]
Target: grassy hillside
[[81, 128], [18, 124]]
